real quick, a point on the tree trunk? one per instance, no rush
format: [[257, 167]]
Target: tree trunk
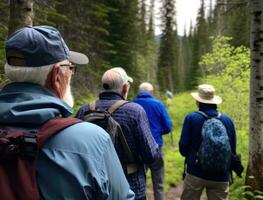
[[254, 176], [21, 14]]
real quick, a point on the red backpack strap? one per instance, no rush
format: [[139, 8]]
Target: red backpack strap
[[18, 176], [52, 127]]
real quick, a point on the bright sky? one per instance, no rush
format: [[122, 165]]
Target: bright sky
[[186, 12]]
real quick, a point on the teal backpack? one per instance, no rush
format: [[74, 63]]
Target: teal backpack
[[214, 154]]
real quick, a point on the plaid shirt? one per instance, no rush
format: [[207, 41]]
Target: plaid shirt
[[135, 126]]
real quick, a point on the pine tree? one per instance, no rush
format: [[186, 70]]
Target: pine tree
[[142, 44], [238, 22], [184, 60], [151, 57], [123, 35], [21, 14], [232, 18], [4, 15], [200, 44], [168, 46]]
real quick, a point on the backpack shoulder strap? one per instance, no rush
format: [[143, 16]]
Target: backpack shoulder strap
[[52, 127], [18, 177], [116, 105], [203, 114], [123, 140], [206, 116], [126, 147], [92, 105]]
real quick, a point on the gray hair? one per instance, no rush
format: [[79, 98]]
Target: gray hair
[[145, 87], [36, 75], [114, 79]]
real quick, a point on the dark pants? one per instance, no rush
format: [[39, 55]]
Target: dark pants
[[157, 173]]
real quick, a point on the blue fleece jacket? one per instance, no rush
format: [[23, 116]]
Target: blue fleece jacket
[[160, 122], [191, 139], [80, 162]]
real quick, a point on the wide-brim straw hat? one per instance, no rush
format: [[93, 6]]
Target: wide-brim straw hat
[[206, 94]]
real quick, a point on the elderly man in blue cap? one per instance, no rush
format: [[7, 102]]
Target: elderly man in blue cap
[[80, 161]]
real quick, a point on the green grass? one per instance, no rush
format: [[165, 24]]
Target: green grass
[[182, 104]]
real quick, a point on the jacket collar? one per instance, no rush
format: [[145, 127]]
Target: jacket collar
[[144, 95], [110, 96], [28, 103], [210, 109]]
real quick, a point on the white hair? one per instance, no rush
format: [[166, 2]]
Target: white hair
[[36, 75], [113, 81], [146, 87]]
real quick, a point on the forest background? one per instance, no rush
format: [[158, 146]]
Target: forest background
[[121, 33]]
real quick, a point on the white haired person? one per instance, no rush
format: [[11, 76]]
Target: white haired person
[[134, 124], [160, 124], [80, 161]]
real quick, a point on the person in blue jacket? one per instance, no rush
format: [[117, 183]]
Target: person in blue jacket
[[160, 124], [216, 184], [80, 162]]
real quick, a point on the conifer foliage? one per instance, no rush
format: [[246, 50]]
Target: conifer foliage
[[122, 33], [167, 73]]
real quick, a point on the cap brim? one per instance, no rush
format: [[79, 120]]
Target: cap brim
[[130, 79], [78, 58], [215, 100]]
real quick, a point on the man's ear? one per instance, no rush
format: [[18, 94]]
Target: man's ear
[[125, 90], [57, 81]]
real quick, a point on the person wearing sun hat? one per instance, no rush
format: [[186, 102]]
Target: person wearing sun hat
[[79, 162], [217, 185]]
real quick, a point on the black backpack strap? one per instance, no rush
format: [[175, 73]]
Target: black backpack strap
[[123, 140], [126, 147], [92, 105], [116, 105]]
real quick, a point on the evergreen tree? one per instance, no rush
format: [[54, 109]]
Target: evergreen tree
[[84, 25], [124, 32], [185, 60], [142, 44], [4, 15], [167, 73], [232, 18], [238, 22], [152, 48], [200, 44], [21, 14]]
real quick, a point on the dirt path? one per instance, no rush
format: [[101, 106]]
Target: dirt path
[[174, 193]]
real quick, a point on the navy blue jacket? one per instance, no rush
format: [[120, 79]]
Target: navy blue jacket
[[135, 126], [191, 139], [160, 122]]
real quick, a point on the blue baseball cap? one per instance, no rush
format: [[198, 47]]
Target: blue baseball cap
[[39, 46]]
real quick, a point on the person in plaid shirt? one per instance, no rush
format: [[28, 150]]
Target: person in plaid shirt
[[135, 125]]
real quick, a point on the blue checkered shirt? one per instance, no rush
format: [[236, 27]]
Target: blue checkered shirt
[[135, 126]]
